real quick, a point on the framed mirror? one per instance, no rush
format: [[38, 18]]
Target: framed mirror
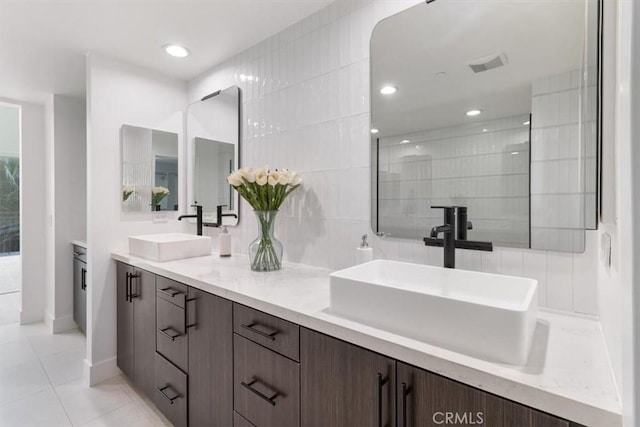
[[491, 105], [213, 132], [149, 169]]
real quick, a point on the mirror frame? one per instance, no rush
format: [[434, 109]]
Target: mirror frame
[[598, 206], [191, 150]]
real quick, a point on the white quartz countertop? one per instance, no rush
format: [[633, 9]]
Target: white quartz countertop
[[79, 243], [568, 372]]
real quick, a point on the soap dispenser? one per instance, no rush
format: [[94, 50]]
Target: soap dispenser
[[364, 253], [225, 242]]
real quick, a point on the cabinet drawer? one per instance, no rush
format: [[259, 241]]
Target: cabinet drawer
[[172, 291], [240, 421], [171, 338], [266, 385], [269, 331], [171, 391]]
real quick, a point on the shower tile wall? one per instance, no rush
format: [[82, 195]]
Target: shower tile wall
[[484, 166], [563, 151], [306, 107]]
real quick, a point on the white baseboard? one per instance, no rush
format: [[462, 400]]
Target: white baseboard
[[99, 372], [59, 324], [26, 317]]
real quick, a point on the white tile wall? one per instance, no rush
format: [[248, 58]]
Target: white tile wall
[[484, 166], [306, 107], [563, 156]]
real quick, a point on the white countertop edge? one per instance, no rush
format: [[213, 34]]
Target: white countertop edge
[[79, 243], [447, 363]]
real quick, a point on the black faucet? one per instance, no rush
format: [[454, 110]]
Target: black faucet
[[198, 217], [219, 216], [449, 241]]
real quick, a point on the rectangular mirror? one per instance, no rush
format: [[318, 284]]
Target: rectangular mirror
[[491, 105], [149, 169], [213, 127]]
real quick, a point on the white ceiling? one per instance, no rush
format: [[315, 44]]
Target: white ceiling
[[538, 37], [43, 42]]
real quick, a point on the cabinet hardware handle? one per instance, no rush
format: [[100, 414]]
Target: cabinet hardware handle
[[251, 327], [406, 390], [131, 294], [186, 314], [258, 393], [170, 292], [170, 399], [381, 383], [83, 284], [166, 334], [127, 287]]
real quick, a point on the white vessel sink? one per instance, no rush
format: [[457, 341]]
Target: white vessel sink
[[169, 246], [483, 315]]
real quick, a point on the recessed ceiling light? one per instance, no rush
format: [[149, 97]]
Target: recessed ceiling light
[[374, 130], [514, 153], [388, 90], [485, 130], [405, 141], [441, 74], [472, 113], [176, 50], [527, 123]]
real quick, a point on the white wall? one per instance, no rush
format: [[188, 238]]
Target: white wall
[[118, 93], [306, 107], [33, 208], [67, 182]]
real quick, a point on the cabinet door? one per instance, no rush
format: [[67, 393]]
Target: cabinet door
[[427, 399], [210, 359], [344, 385], [79, 294], [124, 321], [143, 288]]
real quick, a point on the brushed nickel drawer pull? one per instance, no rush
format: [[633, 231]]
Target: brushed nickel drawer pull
[[166, 334]]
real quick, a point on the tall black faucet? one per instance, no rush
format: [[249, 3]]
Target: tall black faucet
[[198, 217], [449, 235], [449, 240]]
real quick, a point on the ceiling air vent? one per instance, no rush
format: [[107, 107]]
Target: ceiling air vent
[[488, 62]]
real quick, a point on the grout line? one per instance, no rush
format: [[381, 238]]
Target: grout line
[[55, 392]]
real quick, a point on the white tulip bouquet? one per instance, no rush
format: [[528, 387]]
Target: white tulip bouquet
[[265, 191], [127, 191], [158, 194]]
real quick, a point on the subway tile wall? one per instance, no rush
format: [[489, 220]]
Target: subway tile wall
[[306, 107], [483, 166]]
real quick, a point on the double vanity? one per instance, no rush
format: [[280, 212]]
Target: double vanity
[[212, 343]]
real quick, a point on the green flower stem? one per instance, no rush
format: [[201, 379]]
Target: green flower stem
[[266, 258]]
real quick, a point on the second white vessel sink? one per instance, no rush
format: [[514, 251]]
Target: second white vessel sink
[[484, 315], [169, 246]]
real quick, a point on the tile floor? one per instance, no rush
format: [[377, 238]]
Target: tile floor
[[41, 384]]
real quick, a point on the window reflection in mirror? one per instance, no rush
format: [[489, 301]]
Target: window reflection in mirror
[[149, 169], [491, 105], [213, 127]]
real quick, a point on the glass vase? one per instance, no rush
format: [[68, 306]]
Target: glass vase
[[265, 253]]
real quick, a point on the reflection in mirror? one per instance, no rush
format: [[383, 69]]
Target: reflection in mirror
[[213, 126], [149, 170], [491, 105]]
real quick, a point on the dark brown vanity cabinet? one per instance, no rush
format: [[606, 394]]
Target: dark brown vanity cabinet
[[427, 399], [206, 361], [344, 385], [136, 313], [210, 359]]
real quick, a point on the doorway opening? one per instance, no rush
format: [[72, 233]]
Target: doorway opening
[[10, 260]]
